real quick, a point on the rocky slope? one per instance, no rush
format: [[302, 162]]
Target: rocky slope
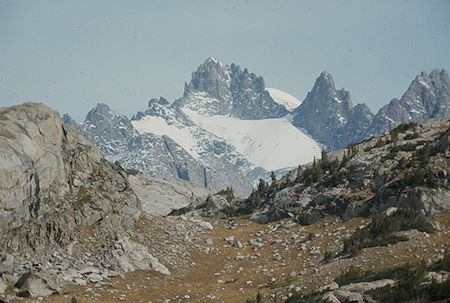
[[407, 167], [60, 200], [76, 229]]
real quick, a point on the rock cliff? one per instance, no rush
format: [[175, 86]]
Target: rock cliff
[[60, 199]]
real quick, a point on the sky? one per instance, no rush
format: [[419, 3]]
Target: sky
[[72, 55]]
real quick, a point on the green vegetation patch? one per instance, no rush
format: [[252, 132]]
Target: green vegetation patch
[[131, 171], [410, 286], [83, 197], [228, 193], [298, 297], [180, 211], [380, 231]]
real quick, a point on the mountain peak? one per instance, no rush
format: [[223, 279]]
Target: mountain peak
[[324, 80], [213, 60], [102, 110], [161, 101], [211, 77]]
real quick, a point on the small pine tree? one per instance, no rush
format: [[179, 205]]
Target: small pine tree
[[262, 186], [324, 158], [258, 298], [274, 179]]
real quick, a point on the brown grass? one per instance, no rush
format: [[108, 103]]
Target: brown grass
[[199, 280]]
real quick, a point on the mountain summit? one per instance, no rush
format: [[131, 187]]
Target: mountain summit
[[218, 89], [427, 97], [327, 113]]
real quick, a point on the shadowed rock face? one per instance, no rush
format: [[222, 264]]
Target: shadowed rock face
[[328, 115], [52, 179], [427, 97]]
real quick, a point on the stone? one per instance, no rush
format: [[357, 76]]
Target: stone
[[229, 239], [80, 282], [3, 286], [348, 296], [131, 255], [216, 203], [332, 286], [35, 287], [237, 244], [94, 277], [89, 269], [365, 286], [330, 297], [438, 277], [205, 225], [161, 197]]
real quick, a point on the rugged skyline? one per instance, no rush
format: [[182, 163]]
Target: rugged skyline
[[73, 55]]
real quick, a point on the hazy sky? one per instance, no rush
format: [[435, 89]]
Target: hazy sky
[[71, 55]]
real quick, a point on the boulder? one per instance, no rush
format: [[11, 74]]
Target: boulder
[[3, 286], [35, 287], [131, 255], [362, 287], [216, 203], [348, 296]]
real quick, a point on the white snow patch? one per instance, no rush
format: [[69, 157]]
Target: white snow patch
[[421, 81], [270, 143], [159, 126], [341, 119], [337, 100], [283, 98]]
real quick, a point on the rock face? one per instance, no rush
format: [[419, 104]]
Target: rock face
[[157, 155], [427, 97], [215, 166], [406, 168], [58, 192], [161, 196], [231, 91], [46, 167], [328, 115]]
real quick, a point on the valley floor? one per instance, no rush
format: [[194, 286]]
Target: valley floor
[[275, 259]]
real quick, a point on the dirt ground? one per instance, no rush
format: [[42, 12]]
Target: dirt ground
[[211, 273]]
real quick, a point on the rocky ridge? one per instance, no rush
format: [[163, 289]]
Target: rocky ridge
[[427, 97], [216, 164], [191, 151], [329, 116], [407, 167], [63, 207], [230, 91]]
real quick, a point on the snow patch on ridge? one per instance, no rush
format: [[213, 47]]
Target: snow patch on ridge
[[283, 98], [159, 126], [270, 143]]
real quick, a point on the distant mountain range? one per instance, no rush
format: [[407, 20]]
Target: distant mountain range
[[329, 116], [229, 130]]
